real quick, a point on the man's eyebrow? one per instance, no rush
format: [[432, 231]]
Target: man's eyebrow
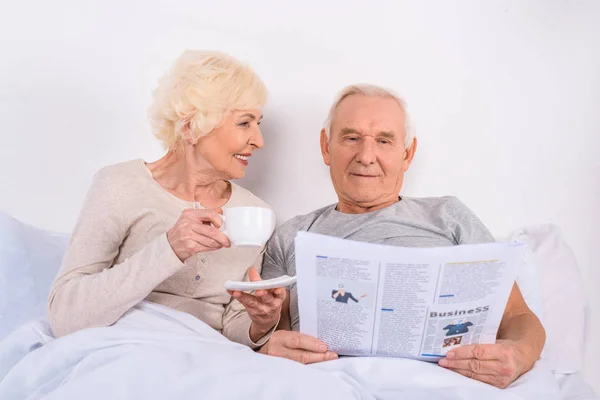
[[387, 134], [348, 131]]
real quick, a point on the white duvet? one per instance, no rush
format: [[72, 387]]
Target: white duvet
[[154, 352]]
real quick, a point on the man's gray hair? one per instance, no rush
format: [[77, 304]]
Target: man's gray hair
[[366, 89]]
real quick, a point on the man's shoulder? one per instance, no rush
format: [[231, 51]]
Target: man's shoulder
[[432, 202], [448, 205], [287, 231], [450, 212]]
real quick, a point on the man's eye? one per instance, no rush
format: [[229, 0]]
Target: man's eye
[[384, 141], [352, 139]]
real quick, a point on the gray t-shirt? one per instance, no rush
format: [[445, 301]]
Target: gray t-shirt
[[411, 222]]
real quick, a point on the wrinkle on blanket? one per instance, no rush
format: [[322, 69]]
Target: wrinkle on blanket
[[154, 352]]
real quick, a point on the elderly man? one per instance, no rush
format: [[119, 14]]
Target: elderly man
[[368, 145]]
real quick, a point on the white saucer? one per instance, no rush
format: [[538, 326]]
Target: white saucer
[[282, 281]]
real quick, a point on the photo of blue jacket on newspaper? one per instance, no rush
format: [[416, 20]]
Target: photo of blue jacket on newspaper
[[460, 327]]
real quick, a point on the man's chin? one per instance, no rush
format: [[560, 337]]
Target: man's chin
[[365, 199]]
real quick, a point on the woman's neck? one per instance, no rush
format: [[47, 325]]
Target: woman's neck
[[182, 175]]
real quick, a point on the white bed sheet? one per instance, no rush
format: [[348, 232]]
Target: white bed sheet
[[154, 352], [574, 387]]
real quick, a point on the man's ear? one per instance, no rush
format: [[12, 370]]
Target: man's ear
[[325, 147], [409, 154]]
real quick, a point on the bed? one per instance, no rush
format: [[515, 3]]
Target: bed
[[155, 352]]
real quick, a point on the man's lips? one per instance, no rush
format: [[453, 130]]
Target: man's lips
[[364, 175]]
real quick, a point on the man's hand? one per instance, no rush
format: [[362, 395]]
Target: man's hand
[[497, 364], [264, 307], [297, 347]]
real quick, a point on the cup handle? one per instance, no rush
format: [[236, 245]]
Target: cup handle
[[222, 228]]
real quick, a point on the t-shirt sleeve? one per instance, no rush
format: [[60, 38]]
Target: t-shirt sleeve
[[467, 228], [273, 265]]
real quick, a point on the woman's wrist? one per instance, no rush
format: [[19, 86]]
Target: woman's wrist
[[257, 332]]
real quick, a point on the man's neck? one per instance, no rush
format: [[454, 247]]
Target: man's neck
[[349, 207]]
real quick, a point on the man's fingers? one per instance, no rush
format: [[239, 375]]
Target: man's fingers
[[477, 351], [297, 340], [486, 367], [489, 379], [307, 357]]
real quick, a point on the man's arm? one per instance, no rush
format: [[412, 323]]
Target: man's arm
[[521, 338], [520, 325]]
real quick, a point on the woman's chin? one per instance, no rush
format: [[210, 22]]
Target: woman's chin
[[237, 174]]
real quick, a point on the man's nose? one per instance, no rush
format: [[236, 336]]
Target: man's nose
[[367, 153]]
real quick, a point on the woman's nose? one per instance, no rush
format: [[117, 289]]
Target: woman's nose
[[257, 139]]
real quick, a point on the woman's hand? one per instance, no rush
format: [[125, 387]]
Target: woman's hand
[[264, 307], [196, 231]]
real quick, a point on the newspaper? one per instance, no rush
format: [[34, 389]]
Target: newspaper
[[366, 299]]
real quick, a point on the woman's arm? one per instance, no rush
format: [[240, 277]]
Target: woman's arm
[[89, 291], [237, 323], [285, 323]]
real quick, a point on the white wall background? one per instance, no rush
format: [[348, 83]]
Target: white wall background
[[505, 96]]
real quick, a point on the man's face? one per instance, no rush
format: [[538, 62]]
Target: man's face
[[366, 152]]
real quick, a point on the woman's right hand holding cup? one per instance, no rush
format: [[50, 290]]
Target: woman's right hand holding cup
[[197, 231]]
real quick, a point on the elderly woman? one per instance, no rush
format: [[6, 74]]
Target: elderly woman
[[151, 230]]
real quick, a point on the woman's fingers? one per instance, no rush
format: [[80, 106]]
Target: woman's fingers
[[212, 233], [205, 215]]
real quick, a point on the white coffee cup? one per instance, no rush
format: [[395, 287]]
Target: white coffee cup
[[248, 226]]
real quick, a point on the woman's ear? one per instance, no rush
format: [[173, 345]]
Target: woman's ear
[[185, 129]]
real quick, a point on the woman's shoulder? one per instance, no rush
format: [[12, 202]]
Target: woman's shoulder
[[114, 181], [122, 170], [241, 197]]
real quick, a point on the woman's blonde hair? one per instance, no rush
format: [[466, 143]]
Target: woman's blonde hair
[[200, 89]]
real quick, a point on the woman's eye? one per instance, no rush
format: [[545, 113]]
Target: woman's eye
[[244, 124]]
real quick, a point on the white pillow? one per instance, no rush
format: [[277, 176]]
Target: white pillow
[[29, 261], [563, 303]]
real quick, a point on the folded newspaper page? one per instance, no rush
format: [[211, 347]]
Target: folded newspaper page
[[366, 299]]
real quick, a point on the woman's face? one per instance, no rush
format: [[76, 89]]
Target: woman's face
[[228, 147]]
